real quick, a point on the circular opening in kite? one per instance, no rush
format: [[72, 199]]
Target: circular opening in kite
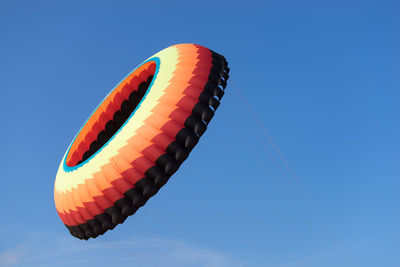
[[111, 114]]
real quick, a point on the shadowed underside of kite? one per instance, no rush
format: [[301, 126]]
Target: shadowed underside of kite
[[137, 137]]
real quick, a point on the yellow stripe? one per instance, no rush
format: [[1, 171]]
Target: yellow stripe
[[65, 181]]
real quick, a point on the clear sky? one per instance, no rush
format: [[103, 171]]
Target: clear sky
[[300, 166]]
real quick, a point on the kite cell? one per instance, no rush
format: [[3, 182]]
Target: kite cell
[[137, 137]]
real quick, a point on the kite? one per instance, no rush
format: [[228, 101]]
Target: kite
[[138, 137]]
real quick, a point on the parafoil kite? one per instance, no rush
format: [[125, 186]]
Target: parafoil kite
[[137, 137]]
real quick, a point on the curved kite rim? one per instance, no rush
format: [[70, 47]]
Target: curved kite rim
[[77, 166]]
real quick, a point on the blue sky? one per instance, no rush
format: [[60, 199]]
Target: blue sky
[[298, 168]]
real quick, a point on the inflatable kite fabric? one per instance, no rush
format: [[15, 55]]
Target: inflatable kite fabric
[[137, 137]]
